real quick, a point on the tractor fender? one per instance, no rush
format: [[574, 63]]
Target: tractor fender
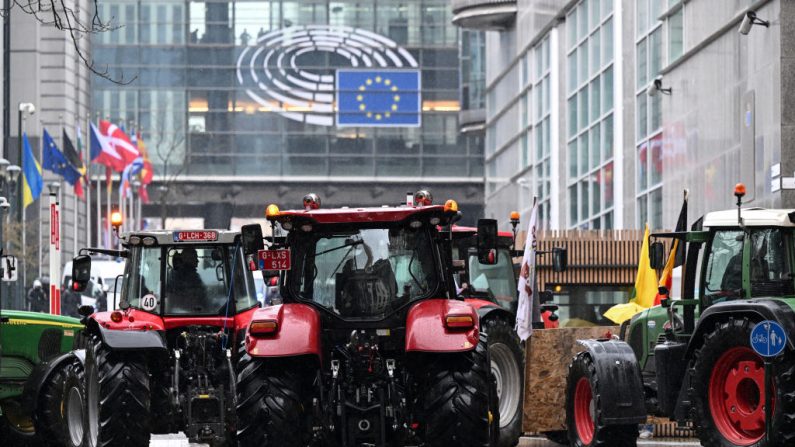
[[487, 310], [128, 340], [426, 330], [622, 396], [42, 373], [757, 309], [298, 331]]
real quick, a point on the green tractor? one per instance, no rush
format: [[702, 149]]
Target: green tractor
[[36, 362], [690, 359]]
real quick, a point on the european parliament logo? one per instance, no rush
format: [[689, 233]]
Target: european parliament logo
[[378, 98]]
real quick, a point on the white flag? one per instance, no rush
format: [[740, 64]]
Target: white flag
[[524, 313]]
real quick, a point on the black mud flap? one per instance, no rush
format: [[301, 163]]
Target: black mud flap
[[621, 388], [131, 340]]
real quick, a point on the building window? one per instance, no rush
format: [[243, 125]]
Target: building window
[[648, 113], [676, 41], [590, 114]]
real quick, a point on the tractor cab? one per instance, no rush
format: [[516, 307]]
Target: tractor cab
[[362, 263], [180, 273]]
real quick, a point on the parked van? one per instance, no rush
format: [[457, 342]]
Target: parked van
[[103, 281]]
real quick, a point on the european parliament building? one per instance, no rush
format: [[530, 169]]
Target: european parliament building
[[242, 103]]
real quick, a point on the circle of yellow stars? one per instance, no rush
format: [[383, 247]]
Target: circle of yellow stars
[[378, 81]]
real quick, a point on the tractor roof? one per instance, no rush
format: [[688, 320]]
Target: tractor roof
[[361, 215], [752, 217], [182, 237]]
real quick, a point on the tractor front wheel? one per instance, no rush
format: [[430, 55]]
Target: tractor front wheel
[[584, 413], [272, 407], [728, 390], [118, 409], [457, 399], [74, 404]]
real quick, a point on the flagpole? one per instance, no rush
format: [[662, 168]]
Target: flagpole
[[86, 159], [108, 197], [99, 194]]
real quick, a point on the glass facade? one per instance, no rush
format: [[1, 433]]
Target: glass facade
[[183, 59], [589, 103], [648, 114]]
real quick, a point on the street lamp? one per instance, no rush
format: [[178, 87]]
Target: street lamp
[[54, 187]]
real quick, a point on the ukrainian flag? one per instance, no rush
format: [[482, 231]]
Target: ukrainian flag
[[32, 182]]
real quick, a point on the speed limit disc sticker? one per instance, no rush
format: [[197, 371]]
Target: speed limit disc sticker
[[149, 302]]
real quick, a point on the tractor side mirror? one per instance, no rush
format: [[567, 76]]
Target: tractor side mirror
[[85, 311], [81, 272], [657, 255], [546, 296], [560, 260], [487, 241], [251, 239]]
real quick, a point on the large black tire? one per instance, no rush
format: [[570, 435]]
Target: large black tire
[[507, 364], [455, 398], [48, 417], [118, 412], [727, 345], [584, 413], [272, 402], [74, 405], [15, 429]]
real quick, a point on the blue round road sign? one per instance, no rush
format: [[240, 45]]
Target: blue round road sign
[[768, 338]]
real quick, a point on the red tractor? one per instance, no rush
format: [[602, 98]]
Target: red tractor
[[165, 361], [372, 345]]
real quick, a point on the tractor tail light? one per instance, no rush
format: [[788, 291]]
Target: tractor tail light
[[115, 317], [459, 321], [265, 327]]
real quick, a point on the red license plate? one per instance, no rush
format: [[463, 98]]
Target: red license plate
[[195, 236], [274, 259]]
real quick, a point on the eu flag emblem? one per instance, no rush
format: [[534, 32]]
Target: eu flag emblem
[[378, 98]]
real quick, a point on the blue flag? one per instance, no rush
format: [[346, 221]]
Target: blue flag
[[32, 183], [54, 160], [380, 98]]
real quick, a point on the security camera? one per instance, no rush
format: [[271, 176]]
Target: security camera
[[749, 20], [651, 90], [747, 23]]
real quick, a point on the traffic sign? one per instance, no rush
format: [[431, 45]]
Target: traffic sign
[[768, 338], [9, 268]]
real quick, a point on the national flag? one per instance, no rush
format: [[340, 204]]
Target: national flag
[[71, 153], [84, 169], [120, 142], [147, 173], [381, 98], [676, 256], [54, 160], [32, 183], [131, 170], [646, 280], [524, 312], [103, 152]]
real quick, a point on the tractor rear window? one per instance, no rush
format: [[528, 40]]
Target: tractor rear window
[[365, 273], [196, 280]]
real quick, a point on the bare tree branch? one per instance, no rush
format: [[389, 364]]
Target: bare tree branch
[[57, 14]]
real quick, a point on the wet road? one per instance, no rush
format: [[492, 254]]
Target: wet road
[[178, 440]]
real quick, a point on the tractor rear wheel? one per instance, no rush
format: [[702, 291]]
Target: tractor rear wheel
[[118, 409], [272, 402], [507, 365], [455, 399], [74, 404], [728, 390], [583, 410]]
